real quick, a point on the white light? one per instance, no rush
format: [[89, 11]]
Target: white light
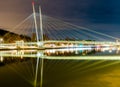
[[39, 54], [39, 43], [1, 59], [110, 51], [1, 39]]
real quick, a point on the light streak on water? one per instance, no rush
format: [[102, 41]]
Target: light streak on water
[[36, 72], [60, 54]]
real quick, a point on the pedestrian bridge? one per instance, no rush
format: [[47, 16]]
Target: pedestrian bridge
[[54, 44]]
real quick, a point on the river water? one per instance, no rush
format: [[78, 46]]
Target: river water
[[18, 68]]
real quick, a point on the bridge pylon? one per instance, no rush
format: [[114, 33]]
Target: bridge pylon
[[39, 40]]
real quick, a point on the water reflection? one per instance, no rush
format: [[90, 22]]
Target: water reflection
[[24, 65], [61, 52], [22, 54]]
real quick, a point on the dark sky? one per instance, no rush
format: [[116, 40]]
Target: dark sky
[[96, 14], [95, 11]]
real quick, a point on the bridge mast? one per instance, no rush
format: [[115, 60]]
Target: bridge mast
[[41, 24], [36, 27]]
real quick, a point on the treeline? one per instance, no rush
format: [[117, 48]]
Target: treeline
[[10, 37]]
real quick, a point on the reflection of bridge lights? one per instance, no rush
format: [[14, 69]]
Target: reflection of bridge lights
[[80, 51], [21, 57], [113, 48], [83, 54], [98, 46], [81, 45], [71, 50], [104, 49], [110, 51], [117, 52], [76, 52], [1, 59]]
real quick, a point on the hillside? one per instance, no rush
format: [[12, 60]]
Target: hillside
[[3, 32], [10, 37]]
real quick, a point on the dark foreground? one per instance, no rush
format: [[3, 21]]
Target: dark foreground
[[62, 73]]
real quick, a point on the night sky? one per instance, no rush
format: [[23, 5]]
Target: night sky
[[100, 15]]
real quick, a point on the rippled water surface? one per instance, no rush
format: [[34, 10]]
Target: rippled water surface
[[19, 70]]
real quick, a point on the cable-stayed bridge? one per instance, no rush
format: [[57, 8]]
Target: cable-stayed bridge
[[53, 44], [49, 32], [57, 31]]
